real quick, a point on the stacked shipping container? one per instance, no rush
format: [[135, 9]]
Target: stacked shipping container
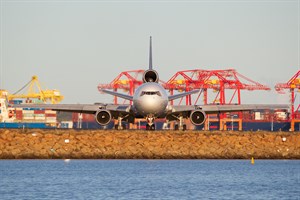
[[32, 115], [28, 117]]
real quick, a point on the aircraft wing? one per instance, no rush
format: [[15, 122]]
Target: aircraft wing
[[124, 96], [210, 109], [79, 108], [177, 96]]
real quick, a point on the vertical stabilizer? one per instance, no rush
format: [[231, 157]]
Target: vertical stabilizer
[[150, 54], [150, 75]]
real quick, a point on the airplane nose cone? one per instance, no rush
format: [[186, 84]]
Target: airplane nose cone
[[151, 105], [150, 98]]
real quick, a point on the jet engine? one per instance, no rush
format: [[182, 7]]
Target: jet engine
[[150, 76], [197, 117], [103, 117]]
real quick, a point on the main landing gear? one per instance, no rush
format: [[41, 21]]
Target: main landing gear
[[120, 126], [180, 126]]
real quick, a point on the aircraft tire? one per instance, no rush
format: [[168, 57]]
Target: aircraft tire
[[147, 127], [176, 127], [152, 127]]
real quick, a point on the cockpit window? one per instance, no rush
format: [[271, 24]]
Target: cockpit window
[[150, 93]]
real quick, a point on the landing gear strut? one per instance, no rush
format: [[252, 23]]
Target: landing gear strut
[[166, 125], [150, 125], [120, 126], [181, 126]]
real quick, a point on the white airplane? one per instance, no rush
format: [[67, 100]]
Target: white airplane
[[150, 101]]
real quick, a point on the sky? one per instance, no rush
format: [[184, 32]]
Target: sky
[[73, 46]]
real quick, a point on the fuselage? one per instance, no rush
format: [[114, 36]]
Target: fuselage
[[150, 99]]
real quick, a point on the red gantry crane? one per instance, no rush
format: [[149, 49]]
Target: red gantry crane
[[291, 85], [219, 81], [127, 80]]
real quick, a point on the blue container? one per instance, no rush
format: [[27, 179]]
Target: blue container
[[25, 125]]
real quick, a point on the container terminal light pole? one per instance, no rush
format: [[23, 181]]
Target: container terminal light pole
[[291, 85]]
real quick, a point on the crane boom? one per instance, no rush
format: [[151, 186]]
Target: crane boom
[[35, 91]]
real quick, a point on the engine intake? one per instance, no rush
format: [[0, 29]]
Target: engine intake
[[103, 117], [150, 76], [198, 117]]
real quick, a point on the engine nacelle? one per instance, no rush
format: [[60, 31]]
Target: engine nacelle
[[150, 76], [198, 117], [103, 117]]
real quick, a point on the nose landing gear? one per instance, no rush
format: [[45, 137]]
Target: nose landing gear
[[150, 125]]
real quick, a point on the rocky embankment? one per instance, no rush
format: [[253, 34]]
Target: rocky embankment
[[47, 144]]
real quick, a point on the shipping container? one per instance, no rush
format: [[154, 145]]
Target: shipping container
[[50, 115], [39, 112], [41, 115], [51, 119], [15, 102], [50, 112], [18, 101], [37, 101], [84, 117], [28, 114], [39, 118], [26, 125], [258, 116], [19, 117], [28, 117], [66, 124], [28, 111]]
